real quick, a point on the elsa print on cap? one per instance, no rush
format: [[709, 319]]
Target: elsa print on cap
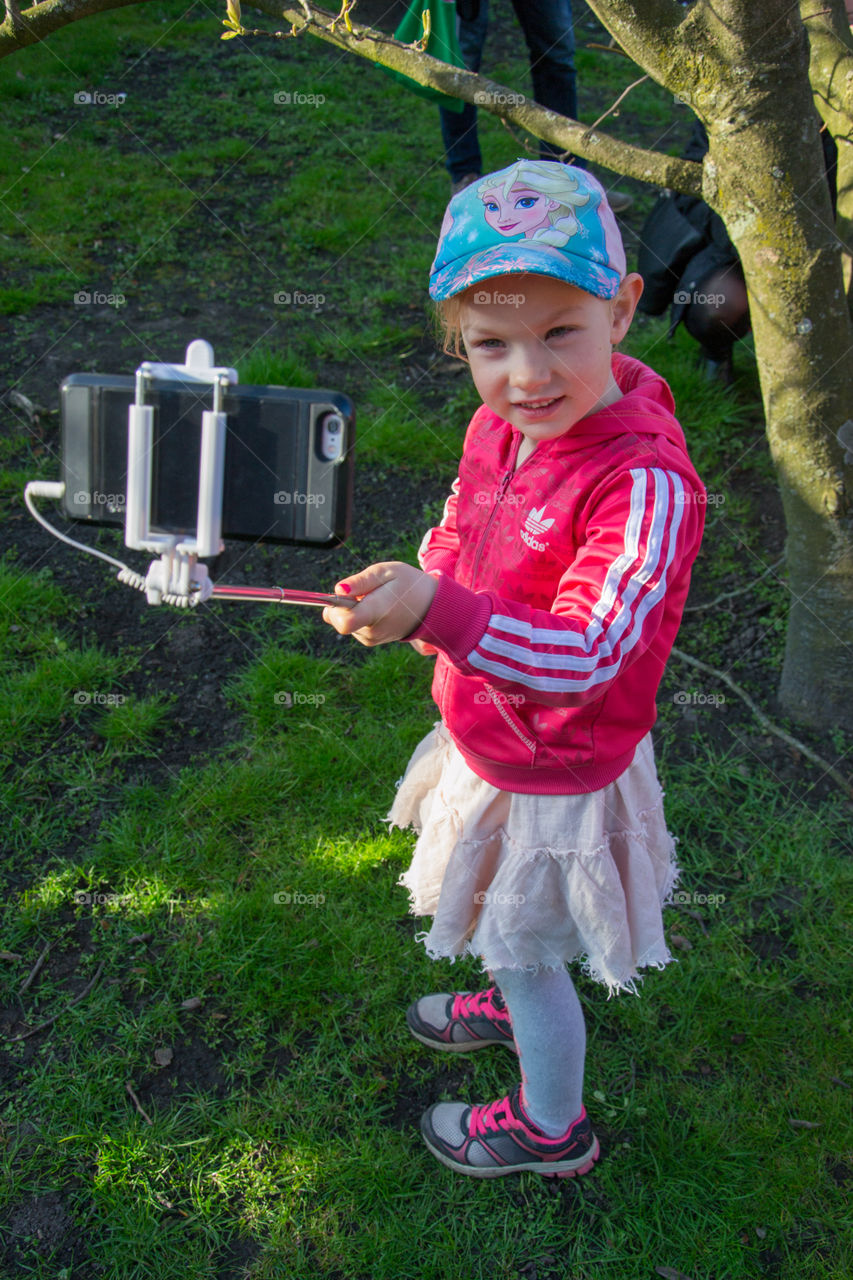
[[536, 216]]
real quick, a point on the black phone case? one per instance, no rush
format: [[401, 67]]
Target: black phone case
[[278, 485]]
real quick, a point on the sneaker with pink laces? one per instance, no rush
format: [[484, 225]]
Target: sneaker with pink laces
[[490, 1141], [462, 1022]]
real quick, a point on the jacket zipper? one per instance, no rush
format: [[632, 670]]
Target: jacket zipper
[[496, 702], [504, 485]]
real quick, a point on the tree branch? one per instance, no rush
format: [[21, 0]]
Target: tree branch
[[764, 720], [43, 19], [634, 162], [653, 167]]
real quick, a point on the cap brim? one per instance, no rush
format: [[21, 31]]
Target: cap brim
[[517, 258]]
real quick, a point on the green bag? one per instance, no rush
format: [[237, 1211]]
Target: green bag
[[442, 44]]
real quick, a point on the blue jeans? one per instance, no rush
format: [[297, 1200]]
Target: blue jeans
[[550, 40]]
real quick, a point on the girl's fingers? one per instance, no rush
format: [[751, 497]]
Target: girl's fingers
[[375, 575]]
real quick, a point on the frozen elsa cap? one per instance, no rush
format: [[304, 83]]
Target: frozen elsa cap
[[537, 216]]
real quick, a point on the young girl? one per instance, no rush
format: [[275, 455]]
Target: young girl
[[551, 593]]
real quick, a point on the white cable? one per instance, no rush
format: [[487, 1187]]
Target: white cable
[[49, 489], [128, 576]]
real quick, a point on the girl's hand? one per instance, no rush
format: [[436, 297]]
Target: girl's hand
[[393, 600]]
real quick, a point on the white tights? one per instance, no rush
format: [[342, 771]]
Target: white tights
[[549, 1030]]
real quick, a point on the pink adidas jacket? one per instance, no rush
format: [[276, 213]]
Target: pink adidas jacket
[[560, 589]]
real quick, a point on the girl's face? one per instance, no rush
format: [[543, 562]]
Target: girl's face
[[522, 212], [540, 349]]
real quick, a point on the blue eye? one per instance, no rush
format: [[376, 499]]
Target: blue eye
[[526, 202], [491, 205]]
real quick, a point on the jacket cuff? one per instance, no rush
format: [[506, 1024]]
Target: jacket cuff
[[436, 562], [456, 619]]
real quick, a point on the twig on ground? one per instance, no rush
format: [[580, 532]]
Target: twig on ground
[[830, 770], [36, 969], [25, 1035], [138, 1104], [739, 591]]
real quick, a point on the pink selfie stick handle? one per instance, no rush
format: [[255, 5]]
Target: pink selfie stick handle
[[282, 595]]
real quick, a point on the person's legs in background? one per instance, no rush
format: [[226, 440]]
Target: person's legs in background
[[549, 31], [459, 128], [717, 317]]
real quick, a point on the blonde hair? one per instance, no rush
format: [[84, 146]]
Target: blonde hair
[[447, 322]]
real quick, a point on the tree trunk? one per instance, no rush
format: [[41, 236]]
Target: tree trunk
[[743, 67], [764, 151]]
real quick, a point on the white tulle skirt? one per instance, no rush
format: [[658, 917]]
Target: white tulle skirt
[[538, 880]]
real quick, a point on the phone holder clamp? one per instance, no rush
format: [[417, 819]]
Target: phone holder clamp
[[177, 574]]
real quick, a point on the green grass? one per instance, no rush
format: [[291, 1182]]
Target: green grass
[[243, 912], [269, 892]]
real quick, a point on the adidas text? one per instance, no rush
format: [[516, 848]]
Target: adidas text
[[531, 541]]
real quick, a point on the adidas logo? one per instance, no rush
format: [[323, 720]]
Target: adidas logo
[[533, 525]]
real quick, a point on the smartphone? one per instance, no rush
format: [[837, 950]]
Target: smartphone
[[288, 458]]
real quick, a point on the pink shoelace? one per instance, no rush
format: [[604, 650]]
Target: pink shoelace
[[491, 1118], [478, 1003]]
